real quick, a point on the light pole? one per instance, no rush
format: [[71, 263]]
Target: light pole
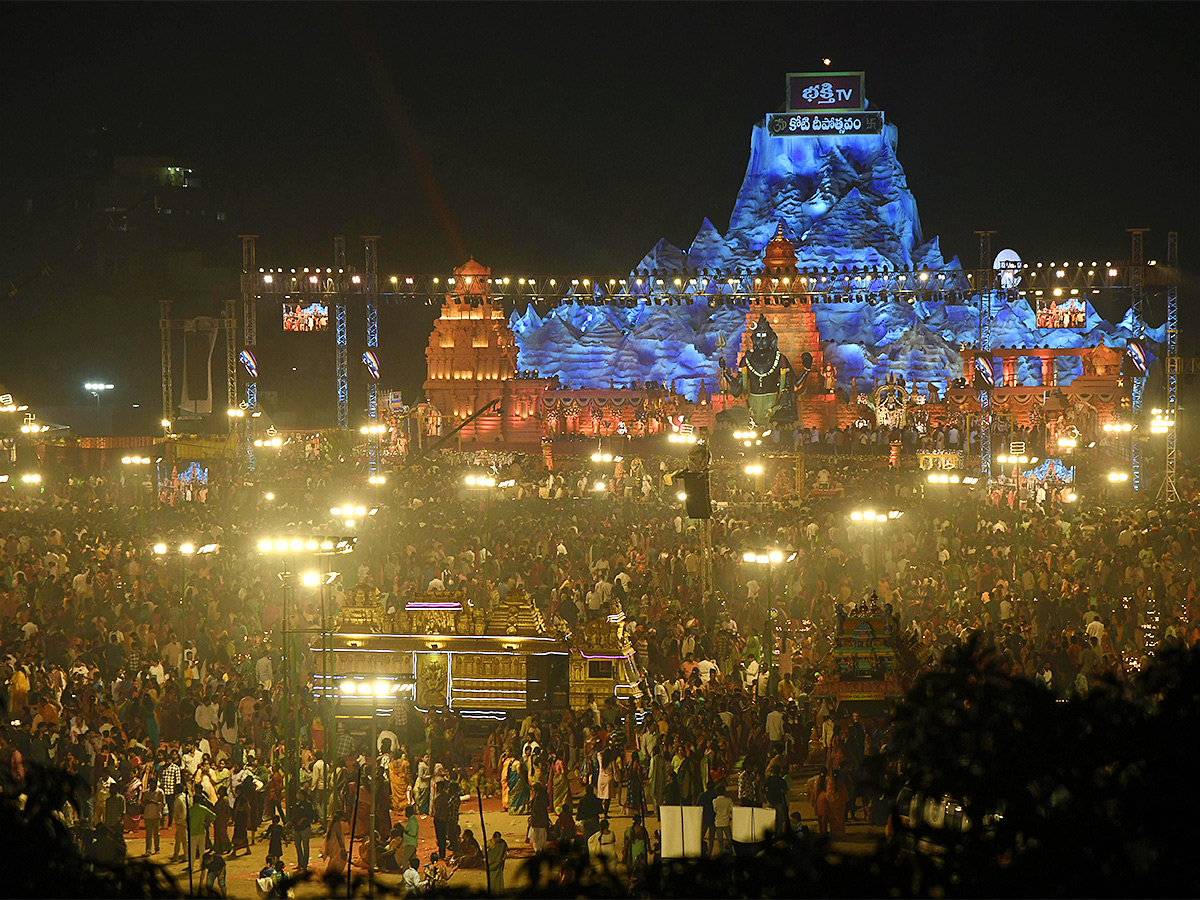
[[359, 691], [96, 388], [374, 432], [351, 514], [288, 548], [185, 550], [136, 462], [756, 470], [770, 557], [1017, 462], [484, 484], [876, 519]]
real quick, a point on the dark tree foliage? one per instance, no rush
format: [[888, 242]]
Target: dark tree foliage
[[39, 857], [1064, 797]]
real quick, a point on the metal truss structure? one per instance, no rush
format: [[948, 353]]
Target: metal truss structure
[[717, 287], [249, 336], [338, 284], [371, 291], [1168, 491], [1136, 296], [984, 283]]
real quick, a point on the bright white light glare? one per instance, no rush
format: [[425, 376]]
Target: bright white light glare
[[381, 689], [187, 549], [775, 556], [296, 545], [335, 510], [160, 549], [349, 523], [281, 545], [363, 688], [347, 687], [360, 510], [748, 556], [311, 579]]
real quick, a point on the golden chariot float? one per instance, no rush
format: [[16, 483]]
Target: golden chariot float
[[447, 654]]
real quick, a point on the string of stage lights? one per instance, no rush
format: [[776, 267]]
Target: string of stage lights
[[832, 283]]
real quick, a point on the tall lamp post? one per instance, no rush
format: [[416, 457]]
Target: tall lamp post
[[770, 557], [374, 432], [1018, 463], [96, 388], [876, 519], [484, 484], [288, 548], [357, 693], [185, 550], [756, 470]]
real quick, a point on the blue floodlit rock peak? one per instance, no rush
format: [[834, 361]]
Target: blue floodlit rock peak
[[841, 201]]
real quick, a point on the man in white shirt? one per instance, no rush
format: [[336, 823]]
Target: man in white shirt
[[751, 675], [206, 716], [722, 824], [707, 667], [264, 671], [1095, 629], [775, 729]]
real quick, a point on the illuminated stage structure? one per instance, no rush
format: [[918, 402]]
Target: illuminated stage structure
[[825, 242], [454, 656]]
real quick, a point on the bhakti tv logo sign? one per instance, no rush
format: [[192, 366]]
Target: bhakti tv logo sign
[[823, 91]]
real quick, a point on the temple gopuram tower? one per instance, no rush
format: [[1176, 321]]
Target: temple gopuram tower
[[472, 359], [792, 317]]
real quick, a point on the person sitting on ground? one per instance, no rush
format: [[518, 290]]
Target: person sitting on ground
[[470, 854], [413, 882]]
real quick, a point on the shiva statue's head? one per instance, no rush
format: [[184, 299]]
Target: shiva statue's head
[[763, 339]]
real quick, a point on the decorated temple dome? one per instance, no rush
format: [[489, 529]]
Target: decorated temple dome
[[471, 278], [779, 256]]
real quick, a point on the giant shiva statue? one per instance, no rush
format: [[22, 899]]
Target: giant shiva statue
[[766, 377]]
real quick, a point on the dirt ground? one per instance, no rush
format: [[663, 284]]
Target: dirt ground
[[241, 872]]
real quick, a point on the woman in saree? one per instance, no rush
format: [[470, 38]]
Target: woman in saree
[[560, 784], [335, 847], [491, 759], [503, 776], [518, 788], [634, 793], [398, 771], [421, 792]]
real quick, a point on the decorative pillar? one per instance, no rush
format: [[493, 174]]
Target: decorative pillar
[[1010, 371], [1048, 372]]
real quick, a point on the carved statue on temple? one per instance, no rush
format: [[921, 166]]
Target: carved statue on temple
[[766, 377]]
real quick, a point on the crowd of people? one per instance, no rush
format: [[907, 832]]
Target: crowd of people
[[157, 679]]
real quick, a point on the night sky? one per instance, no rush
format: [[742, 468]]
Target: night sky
[[569, 138]]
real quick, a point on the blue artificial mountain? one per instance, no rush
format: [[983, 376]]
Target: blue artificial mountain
[[842, 201]]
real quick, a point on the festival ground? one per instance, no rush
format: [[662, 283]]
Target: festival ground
[[242, 871]]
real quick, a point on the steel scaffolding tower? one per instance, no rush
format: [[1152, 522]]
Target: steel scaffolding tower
[[230, 324], [249, 334], [343, 385], [1136, 297], [985, 344], [1168, 490], [371, 289], [164, 329]]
